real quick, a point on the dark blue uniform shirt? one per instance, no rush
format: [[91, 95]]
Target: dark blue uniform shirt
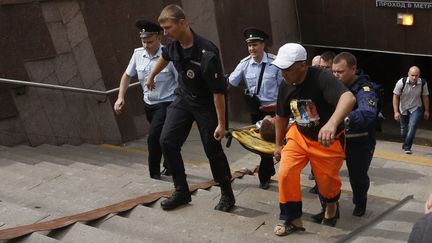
[[364, 115], [193, 83]]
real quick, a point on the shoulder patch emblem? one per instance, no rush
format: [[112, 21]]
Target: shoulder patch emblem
[[190, 74], [371, 102], [366, 88]]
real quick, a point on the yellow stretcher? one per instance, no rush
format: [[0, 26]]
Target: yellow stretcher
[[251, 140]]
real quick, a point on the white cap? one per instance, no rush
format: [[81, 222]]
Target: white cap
[[288, 54]]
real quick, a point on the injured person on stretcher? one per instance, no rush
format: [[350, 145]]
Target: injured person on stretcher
[[258, 138]]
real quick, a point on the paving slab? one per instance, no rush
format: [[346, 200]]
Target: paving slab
[[35, 238], [80, 233], [393, 227]]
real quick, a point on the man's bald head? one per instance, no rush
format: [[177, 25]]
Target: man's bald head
[[316, 60], [414, 74]]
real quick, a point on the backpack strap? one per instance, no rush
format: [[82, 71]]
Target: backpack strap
[[423, 84], [403, 84]]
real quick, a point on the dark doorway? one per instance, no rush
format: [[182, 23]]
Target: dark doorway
[[386, 69]]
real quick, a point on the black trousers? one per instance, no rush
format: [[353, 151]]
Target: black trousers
[[180, 116], [358, 156], [266, 167], [156, 117]]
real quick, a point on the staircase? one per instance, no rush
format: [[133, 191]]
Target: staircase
[[47, 182]]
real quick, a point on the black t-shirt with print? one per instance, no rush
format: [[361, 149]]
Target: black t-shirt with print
[[312, 102]]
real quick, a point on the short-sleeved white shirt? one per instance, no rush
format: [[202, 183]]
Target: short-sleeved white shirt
[[141, 64], [411, 97]]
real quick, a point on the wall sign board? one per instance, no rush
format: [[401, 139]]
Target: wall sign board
[[403, 4]]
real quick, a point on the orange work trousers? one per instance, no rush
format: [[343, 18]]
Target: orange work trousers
[[325, 162]]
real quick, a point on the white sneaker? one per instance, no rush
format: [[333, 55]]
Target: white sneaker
[[408, 151]]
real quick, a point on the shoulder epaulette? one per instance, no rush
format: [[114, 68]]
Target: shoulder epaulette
[[366, 88], [272, 56], [139, 49], [245, 59]]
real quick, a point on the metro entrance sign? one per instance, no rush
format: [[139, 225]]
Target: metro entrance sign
[[404, 4]]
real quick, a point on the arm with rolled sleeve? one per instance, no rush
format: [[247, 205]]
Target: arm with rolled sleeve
[[124, 83], [237, 75]]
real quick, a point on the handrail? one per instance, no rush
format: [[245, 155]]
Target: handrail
[[61, 87]]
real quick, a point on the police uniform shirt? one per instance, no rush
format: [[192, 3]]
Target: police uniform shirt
[[165, 82], [249, 70], [411, 97]]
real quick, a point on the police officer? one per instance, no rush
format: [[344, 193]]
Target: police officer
[[157, 101], [262, 81], [200, 98], [360, 127]]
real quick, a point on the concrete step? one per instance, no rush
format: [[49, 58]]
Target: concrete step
[[94, 167], [116, 153], [192, 151], [24, 176], [91, 170], [126, 181], [35, 238], [166, 227], [9, 153], [95, 152], [13, 215], [34, 175], [80, 233], [67, 194], [120, 166]]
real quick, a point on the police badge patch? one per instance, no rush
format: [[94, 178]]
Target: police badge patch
[[190, 74]]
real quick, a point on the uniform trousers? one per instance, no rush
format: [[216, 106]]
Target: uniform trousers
[[325, 162], [180, 116], [358, 156], [155, 114]]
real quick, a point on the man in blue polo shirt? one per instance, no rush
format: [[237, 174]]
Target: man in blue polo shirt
[[156, 102], [262, 81]]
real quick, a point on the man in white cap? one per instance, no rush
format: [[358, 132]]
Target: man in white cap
[[319, 103]]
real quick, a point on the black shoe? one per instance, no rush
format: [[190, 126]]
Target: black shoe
[[333, 220], [178, 198], [265, 184], [156, 176], [359, 211], [314, 190], [318, 218], [226, 203], [227, 200], [166, 172]]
